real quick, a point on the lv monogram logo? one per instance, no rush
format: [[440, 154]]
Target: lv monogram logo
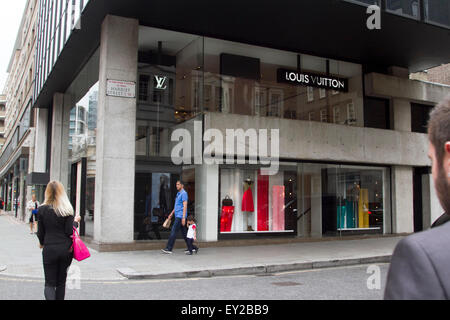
[[161, 83]]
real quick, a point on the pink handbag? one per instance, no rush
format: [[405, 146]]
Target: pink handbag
[[80, 251]]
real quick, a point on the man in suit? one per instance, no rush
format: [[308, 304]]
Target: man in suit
[[420, 265]]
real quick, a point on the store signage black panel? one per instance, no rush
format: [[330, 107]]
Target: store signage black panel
[[240, 66], [312, 80]]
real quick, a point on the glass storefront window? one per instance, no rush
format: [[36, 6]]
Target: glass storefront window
[[251, 202], [155, 193], [306, 200], [245, 79], [82, 144], [169, 91]]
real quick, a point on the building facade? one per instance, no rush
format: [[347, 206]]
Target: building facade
[[17, 117], [129, 98], [439, 74], [2, 119]]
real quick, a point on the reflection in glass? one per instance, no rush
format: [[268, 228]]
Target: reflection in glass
[[404, 7], [243, 79], [437, 11]]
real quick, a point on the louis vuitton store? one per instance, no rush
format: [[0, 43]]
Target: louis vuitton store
[[185, 79], [145, 96]]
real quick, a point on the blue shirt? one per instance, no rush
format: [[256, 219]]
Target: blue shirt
[[181, 197]]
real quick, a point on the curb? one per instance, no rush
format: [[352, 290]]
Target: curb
[[132, 274]]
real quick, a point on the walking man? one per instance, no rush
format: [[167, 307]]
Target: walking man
[[180, 211]]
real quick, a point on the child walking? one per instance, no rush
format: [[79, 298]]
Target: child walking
[[191, 235]]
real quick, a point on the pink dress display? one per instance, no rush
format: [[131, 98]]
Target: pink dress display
[[278, 217]]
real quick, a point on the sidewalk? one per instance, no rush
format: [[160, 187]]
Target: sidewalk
[[20, 254]]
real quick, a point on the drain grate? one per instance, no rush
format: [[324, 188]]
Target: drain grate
[[286, 284]]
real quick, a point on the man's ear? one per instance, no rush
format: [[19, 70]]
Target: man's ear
[[446, 160]]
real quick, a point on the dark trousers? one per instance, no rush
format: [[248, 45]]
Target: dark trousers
[[173, 234], [57, 260], [190, 244]]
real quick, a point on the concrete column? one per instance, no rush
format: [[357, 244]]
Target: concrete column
[[402, 199], [431, 206], [40, 150], [59, 163], [207, 199], [116, 134], [402, 115]]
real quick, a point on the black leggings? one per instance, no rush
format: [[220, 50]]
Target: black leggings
[[57, 259]]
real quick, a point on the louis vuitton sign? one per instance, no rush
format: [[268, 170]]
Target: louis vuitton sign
[[312, 80]]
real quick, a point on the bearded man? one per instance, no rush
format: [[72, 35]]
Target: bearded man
[[420, 265]]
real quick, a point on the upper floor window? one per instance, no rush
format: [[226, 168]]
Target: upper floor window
[[408, 8]]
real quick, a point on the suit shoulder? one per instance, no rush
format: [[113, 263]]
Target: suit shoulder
[[430, 239]]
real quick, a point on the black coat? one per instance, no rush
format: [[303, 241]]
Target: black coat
[[53, 229]]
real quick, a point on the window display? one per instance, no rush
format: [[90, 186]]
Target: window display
[[267, 213], [305, 199]]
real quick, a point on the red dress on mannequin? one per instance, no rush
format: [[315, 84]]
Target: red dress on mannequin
[[247, 201]]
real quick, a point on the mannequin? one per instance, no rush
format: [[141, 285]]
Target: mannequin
[[247, 202], [226, 218]]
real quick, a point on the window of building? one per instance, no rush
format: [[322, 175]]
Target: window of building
[[322, 93], [377, 113], [336, 114], [409, 8], [420, 115], [324, 115], [437, 12], [310, 93]]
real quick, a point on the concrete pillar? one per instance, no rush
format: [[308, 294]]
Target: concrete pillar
[[116, 134], [402, 115], [59, 163], [40, 150], [402, 199], [207, 199], [431, 207]]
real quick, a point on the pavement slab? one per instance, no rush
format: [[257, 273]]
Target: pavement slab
[[22, 257]]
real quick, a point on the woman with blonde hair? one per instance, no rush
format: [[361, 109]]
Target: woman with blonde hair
[[55, 228]]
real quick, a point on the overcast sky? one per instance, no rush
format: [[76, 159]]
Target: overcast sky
[[10, 16]]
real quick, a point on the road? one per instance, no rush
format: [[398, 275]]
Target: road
[[341, 283]]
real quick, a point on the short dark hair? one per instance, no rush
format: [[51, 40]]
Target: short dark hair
[[439, 128], [191, 218], [181, 182]]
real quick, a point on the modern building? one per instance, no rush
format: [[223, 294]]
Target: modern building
[[2, 119], [17, 120], [308, 81]]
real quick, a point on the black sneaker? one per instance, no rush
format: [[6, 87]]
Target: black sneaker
[[189, 253], [166, 251], [193, 250]]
